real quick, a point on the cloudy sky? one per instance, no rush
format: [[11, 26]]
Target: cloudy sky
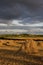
[[21, 16]]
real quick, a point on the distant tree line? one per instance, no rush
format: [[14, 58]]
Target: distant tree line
[[19, 35]]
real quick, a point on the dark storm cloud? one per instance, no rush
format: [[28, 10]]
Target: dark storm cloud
[[30, 12], [32, 20], [21, 9]]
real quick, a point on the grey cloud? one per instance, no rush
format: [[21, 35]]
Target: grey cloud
[[20, 9], [29, 11], [5, 21], [32, 30], [20, 27], [32, 20]]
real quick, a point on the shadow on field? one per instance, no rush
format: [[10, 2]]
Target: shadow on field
[[8, 57]]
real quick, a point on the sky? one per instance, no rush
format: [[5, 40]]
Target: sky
[[21, 16]]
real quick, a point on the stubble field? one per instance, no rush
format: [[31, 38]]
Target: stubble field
[[21, 51]]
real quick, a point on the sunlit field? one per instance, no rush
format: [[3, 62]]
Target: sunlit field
[[21, 50]]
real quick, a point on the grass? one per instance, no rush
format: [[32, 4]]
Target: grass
[[18, 35]]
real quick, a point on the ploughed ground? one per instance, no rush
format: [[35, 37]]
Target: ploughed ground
[[21, 51]]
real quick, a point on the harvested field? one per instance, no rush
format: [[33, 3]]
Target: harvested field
[[21, 51]]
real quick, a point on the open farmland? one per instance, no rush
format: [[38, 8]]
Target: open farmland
[[21, 51]]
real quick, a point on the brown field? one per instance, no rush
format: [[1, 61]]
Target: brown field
[[21, 51]]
